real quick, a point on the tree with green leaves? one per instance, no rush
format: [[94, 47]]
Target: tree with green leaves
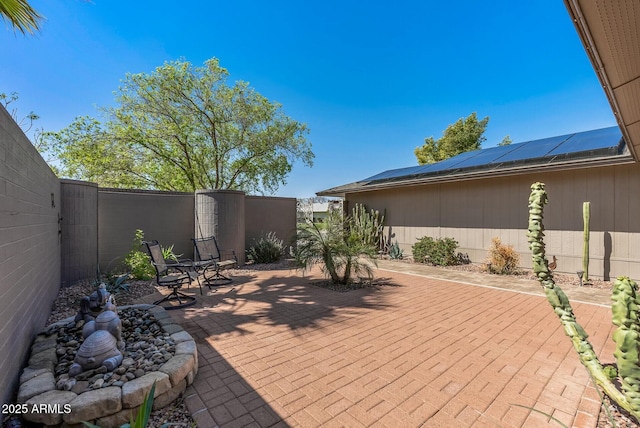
[[506, 141], [185, 128], [20, 16], [463, 136]]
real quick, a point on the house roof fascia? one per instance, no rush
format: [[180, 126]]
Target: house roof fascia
[[367, 186]]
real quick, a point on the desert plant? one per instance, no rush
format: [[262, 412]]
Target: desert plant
[[367, 226], [624, 309], [586, 215], [503, 259], [439, 252], [112, 281], [117, 283], [169, 255], [266, 249], [139, 263], [342, 255], [395, 252]]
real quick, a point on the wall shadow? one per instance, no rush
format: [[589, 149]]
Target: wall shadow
[[608, 248]]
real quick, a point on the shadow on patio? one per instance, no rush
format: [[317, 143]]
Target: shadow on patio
[[255, 317], [276, 350]]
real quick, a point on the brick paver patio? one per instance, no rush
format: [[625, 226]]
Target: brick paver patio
[[277, 351]]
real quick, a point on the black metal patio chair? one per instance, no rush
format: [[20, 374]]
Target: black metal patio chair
[[172, 274], [209, 261]]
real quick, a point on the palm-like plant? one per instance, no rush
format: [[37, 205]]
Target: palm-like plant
[[20, 15], [341, 255]]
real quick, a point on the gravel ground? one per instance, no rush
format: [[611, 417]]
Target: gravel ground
[[176, 415], [67, 304]]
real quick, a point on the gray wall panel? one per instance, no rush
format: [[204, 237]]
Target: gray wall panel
[[29, 248]]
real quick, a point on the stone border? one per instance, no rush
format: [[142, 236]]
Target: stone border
[[113, 405]]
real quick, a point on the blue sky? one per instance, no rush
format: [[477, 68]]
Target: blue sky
[[371, 80]]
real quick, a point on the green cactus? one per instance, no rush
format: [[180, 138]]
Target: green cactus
[[624, 314], [586, 215], [367, 226]]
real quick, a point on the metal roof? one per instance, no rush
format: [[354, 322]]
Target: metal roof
[[577, 150]]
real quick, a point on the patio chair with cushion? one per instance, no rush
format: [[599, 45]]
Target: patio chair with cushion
[[172, 274], [209, 261]]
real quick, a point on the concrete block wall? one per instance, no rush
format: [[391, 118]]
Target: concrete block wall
[[265, 214], [164, 216], [79, 230], [29, 248]]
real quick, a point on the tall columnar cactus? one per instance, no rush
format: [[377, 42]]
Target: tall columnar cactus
[[624, 307], [367, 226], [626, 336], [586, 215]]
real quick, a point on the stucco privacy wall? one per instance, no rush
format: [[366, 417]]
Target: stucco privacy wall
[[265, 214], [170, 217], [164, 216], [29, 248], [475, 211]]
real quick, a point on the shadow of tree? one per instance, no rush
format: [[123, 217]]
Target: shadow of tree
[[251, 305], [289, 300]]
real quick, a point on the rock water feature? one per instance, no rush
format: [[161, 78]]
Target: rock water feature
[[154, 349]]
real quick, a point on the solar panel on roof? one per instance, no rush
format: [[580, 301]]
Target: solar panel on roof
[[452, 162], [391, 173], [534, 149], [601, 141], [422, 169], [486, 156]]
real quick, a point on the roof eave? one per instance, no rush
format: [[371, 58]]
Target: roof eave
[[359, 187], [587, 36]]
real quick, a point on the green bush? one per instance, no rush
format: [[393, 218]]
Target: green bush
[[139, 263], [439, 252], [267, 249]]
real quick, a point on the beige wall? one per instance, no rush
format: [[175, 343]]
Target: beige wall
[[29, 248], [473, 212], [268, 214], [169, 217], [164, 216]]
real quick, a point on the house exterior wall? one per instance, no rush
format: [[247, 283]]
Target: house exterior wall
[[29, 248], [164, 216], [475, 211], [265, 214]]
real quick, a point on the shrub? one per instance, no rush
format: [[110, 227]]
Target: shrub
[[139, 263], [503, 259], [267, 249], [439, 252]]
